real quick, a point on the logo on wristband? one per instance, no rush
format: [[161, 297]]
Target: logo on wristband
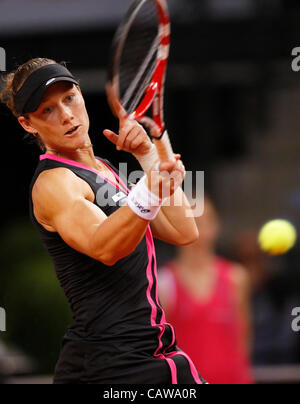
[[141, 208]]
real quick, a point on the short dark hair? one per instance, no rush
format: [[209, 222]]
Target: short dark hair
[[14, 81]]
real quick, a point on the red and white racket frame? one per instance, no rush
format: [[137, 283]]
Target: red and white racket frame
[[155, 92]]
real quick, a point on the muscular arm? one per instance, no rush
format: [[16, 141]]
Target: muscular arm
[[172, 224], [63, 203]]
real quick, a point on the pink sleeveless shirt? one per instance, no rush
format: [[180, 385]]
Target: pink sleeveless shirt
[[210, 331]]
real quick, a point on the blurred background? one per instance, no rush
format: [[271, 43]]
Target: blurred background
[[232, 109]]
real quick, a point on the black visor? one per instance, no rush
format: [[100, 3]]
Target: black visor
[[30, 95]]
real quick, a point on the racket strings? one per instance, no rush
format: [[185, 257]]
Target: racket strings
[[136, 90], [139, 55]]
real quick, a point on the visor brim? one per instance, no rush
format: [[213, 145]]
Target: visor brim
[[36, 99]]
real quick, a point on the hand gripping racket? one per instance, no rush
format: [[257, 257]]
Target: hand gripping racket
[[137, 69]]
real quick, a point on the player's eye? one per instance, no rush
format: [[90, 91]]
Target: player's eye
[[70, 97], [47, 110]]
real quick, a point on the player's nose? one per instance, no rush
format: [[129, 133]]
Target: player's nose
[[66, 114]]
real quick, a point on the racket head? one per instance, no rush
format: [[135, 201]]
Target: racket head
[[138, 63]]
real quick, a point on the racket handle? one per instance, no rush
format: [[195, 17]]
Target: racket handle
[[164, 148]]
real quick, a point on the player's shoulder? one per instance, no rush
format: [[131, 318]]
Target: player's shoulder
[[55, 177], [238, 274], [56, 184]]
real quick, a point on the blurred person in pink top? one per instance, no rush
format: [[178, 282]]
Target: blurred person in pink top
[[207, 298]]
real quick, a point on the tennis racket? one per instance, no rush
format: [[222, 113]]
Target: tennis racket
[[137, 69]]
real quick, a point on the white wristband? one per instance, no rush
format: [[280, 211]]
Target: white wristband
[[143, 202]]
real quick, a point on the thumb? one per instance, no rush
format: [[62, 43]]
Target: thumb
[[111, 136]]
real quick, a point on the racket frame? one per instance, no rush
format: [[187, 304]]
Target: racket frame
[[154, 94]]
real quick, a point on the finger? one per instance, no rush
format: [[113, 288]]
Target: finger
[[128, 138], [113, 102], [127, 123], [168, 166], [180, 171], [136, 143], [179, 166], [123, 118], [133, 140], [135, 136], [125, 128], [111, 136]]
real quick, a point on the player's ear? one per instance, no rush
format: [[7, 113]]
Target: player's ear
[[26, 124]]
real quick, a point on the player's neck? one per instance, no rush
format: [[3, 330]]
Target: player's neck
[[195, 260], [83, 155]]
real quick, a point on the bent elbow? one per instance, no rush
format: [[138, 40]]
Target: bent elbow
[[109, 260], [112, 256], [106, 259], [184, 243], [108, 263], [189, 239]]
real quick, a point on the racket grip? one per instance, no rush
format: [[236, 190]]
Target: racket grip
[[164, 148]]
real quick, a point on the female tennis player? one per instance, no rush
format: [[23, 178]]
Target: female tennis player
[[102, 248]]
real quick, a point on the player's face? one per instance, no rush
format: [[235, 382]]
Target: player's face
[[61, 120]]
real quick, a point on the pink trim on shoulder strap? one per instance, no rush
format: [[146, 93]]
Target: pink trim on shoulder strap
[[79, 165], [117, 177]]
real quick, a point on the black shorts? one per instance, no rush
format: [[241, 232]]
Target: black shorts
[[86, 363]]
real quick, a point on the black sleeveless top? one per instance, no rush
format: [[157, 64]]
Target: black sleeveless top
[[117, 306]]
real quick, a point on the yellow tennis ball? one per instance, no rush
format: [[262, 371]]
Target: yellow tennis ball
[[277, 237]]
